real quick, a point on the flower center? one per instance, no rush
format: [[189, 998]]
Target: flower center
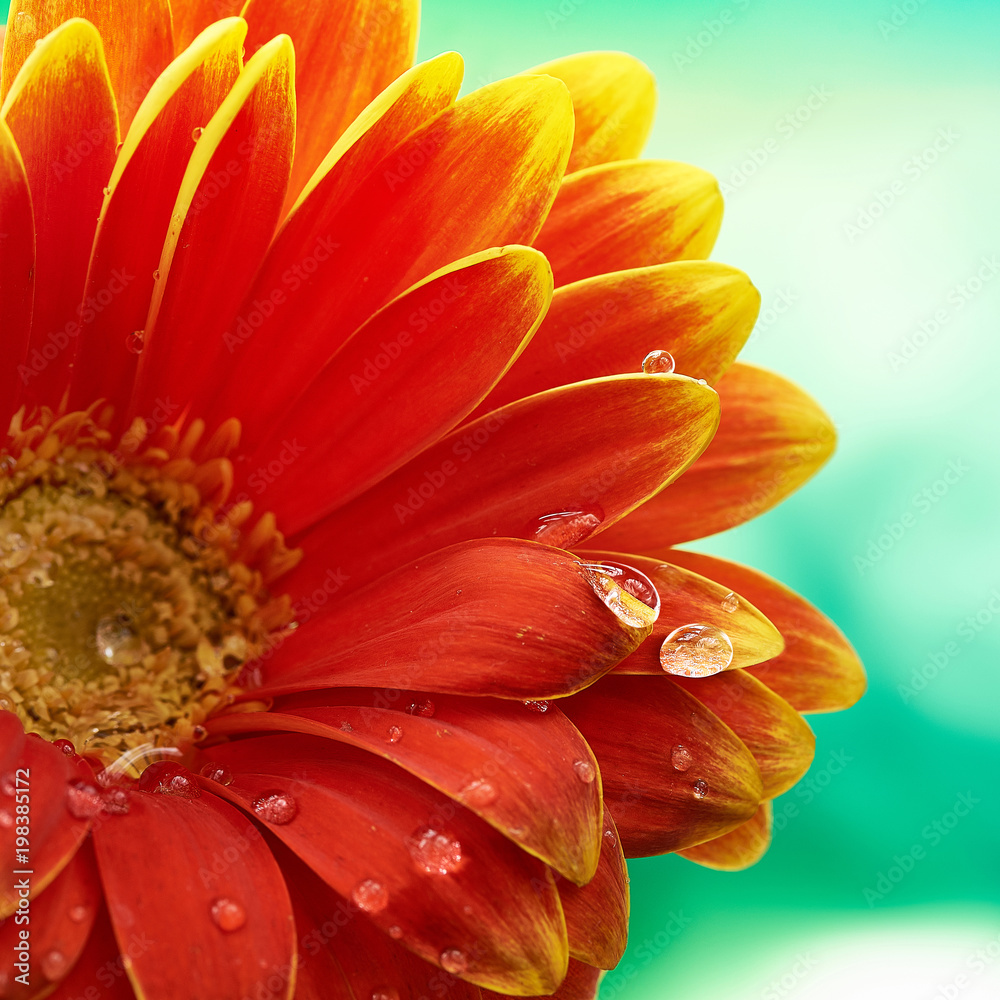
[[130, 597]]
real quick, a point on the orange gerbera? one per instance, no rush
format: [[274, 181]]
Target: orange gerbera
[[408, 752]]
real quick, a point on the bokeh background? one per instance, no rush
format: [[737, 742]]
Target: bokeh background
[[857, 142]]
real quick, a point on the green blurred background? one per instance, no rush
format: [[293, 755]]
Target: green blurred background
[[870, 221]]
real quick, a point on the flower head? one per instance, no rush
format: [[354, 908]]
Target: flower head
[[344, 645]]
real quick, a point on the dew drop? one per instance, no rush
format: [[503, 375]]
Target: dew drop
[[118, 148], [228, 915], [66, 746], [453, 960], [537, 706], [83, 801], [156, 275], [135, 342], [584, 771], [566, 528], [424, 708], [479, 793], [6, 819], [370, 896], [700, 789], [164, 777], [24, 24], [609, 836], [436, 852], [217, 772], [395, 932], [628, 593], [79, 913], [702, 381], [198, 732], [681, 758], [385, 993], [278, 808], [117, 801], [54, 965], [730, 602], [7, 783], [394, 734], [696, 651], [197, 132], [117, 644], [107, 191], [658, 363], [346, 727]]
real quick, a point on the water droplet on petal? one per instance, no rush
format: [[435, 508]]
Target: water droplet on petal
[[453, 960], [197, 132], [395, 932], [66, 746], [7, 785], [537, 706], [135, 342], [566, 528], [83, 801], [117, 801], [479, 793], [164, 777], [54, 965], [609, 836], [627, 592], [370, 896], [436, 852], [424, 708], [730, 602], [681, 758], [702, 381], [696, 651], [79, 913], [700, 789], [156, 275], [346, 727], [658, 363], [24, 24], [107, 191], [394, 734], [118, 148], [117, 644], [278, 808], [6, 819], [217, 772], [385, 993], [228, 915], [584, 771]]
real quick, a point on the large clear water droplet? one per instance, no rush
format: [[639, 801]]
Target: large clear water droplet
[[630, 594], [370, 896], [700, 789], [164, 777], [730, 602], [681, 758], [453, 960], [278, 808], [696, 651], [658, 363], [217, 772], [436, 852], [585, 771], [566, 528], [228, 915], [479, 793], [117, 643]]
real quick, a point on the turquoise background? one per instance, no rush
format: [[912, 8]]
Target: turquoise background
[[910, 402]]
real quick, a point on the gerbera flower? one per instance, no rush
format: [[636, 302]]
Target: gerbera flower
[[309, 296]]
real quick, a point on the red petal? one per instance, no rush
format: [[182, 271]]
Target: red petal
[[492, 616], [738, 849], [166, 870], [100, 972], [361, 820], [630, 214], [61, 103], [482, 173], [612, 442], [392, 390], [345, 54], [191, 17], [818, 671], [665, 800], [581, 983], [511, 765]]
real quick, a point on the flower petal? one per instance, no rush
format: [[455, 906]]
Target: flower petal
[[137, 41], [99, 974], [818, 671], [688, 598], [191, 17], [481, 173], [663, 801], [225, 215], [61, 103], [195, 945], [511, 765], [144, 185], [391, 390], [493, 616], [581, 983], [738, 849], [772, 438], [614, 100], [346, 53], [610, 443], [364, 826], [699, 311], [630, 214], [778, 737]]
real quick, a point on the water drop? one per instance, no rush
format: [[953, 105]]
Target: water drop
[[566, 528], [730, 602], [395, 932], [24, 24], [156, 275], [584, 771], [479, 793], [164, 777], [197, 132], [54, 965], [436, 852], [681, 758], [117, 644], [79, 913], [394, 734], [118, 148], [537, 706], [696, 651], [700, 789], [7, 785], [702, 381], [217, 772], [385, 993], [6, 819], [423, 708], [627, 592], [107, 191], [228, 915], [83, 801], [346, 727], [658, 363], [609, 836], [278, 808], [117, 801], [198, 732], [370, 896], [454, 961], [136, 341], [66, 746]]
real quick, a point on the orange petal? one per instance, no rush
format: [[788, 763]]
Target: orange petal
[[137, 39], [771, 439], [101, 964], [607, 445], [482, 173], [225, 215], [778, 737], [699, 311], [61, 112], [17, 270], [614, 100], [144, 185], [738, 849], [581, 983], [688, 598], [630, 214], [191, 17], [674, 774], [345, 54], [818, 671]]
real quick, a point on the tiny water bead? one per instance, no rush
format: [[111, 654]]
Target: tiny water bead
[[228, 915], [54, 964], [424, 708], [479, 793], [567, 527], [276, 807], [700, 789], [681, 758], [541, 707], [585, 771], [630, 594], [394, 734], [136, 341], [197, 132], [78, 913], [436, 852], [370, 896], [395, 932], [658, 363], [385, 993], [696, 651], [730, 602], [117, 801], [217, 772], [165, 777], [453, 960]]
